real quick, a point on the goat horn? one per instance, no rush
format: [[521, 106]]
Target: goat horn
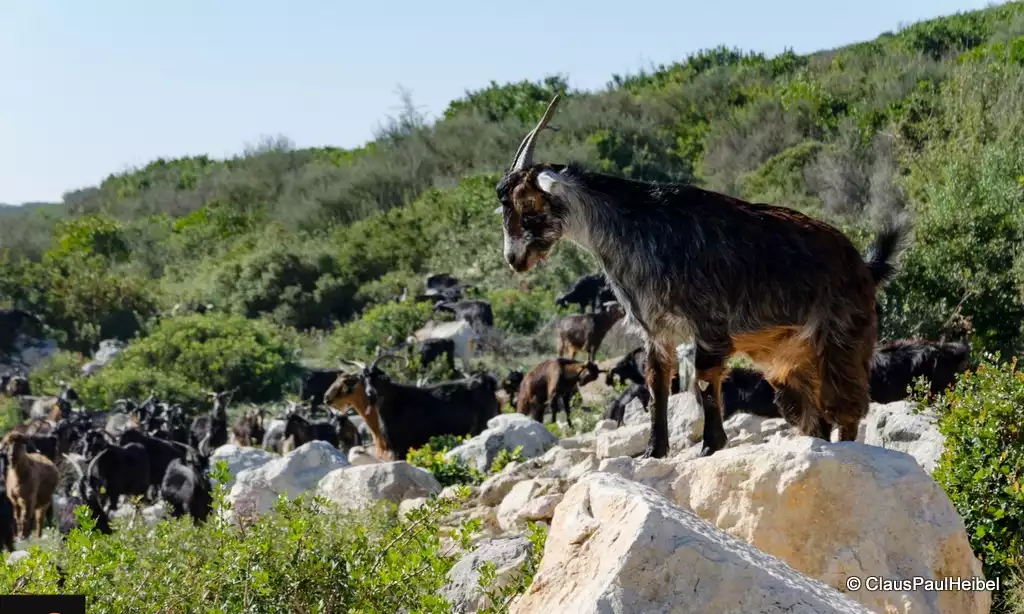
[[78, 469], [384, 356], [524, 155], [355, 363]]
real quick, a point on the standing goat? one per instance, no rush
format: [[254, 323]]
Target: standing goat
[[584, 333], [791, 292], [551, 385], [31, 481], [210, 432]]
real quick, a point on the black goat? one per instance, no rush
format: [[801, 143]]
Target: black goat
[[211, 431], [84, 492], [401, 417], [429, 350], [121, 470], [477, 312], [315, 382], [747, 391], [585, 292], [159, 452], [617, 410], [895, 365], [338, 431], [510, 384], [187, 490], [43, 444], [791, 292], [631, 368]]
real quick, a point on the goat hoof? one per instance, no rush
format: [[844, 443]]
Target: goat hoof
[[655, 450]]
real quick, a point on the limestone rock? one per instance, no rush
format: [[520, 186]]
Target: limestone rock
[[504, 432], [356, 487], [240, 458], [462, 590]]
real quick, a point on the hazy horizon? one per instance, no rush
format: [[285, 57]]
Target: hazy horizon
[[102, 89]]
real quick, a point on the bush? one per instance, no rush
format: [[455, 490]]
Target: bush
[[292, 559], [522, 312], [186, 355], [385, 325], [62, 366], [447, 471], [982, 467]]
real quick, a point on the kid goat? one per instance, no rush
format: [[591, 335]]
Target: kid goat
[[791, 292]]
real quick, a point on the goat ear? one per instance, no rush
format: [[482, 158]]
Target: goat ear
[[547, 180]]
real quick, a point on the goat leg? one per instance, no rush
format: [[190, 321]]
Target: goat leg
[[710, 368], [659, 374]]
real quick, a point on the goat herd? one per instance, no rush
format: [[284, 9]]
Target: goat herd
[[153, 450]]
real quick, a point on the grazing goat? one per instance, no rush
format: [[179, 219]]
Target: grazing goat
[[248, 430], [337, 431], [401, 417], [552, 384], [31, 481], [896, 364], [84, 492], [315, 382], [121, 470], [476, 312], [584, 333], [46, 445], [747, 391], [791, 292], [587, 291], [511, 384], [187, 490], [461, 334], [617, 410], [8, 523]]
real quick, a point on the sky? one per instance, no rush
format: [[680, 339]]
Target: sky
[[94, 88]]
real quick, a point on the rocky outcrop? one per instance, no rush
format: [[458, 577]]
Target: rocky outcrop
[[508, 554], [618, 546], [239, 459], [357, 487], [504, 432]]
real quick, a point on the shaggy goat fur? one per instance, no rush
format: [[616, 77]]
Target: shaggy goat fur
[[791, 292], [897, 364]]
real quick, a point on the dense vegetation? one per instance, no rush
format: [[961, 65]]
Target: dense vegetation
[[306, 248]]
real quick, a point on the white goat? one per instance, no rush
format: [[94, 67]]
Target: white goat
[[460, 332]]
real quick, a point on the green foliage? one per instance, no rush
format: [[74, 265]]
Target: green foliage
[[521, 312], [520, 580], [505, 457], [47, 376], [186, 355], [384, 325], [982, 466], [10, 413], [447, 471], [524, 101], [780, 179], [303, 556]]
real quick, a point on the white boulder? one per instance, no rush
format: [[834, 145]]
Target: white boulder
[[240, 458], [895, 426], [504, 432], [508, 554], [356, 487]]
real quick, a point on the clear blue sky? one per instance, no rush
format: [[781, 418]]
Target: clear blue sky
[[91, 88]]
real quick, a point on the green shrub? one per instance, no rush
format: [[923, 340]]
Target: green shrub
[[10, 414], [447, 471], [382, 325], [186, 355], [504, 458], [63, 366], [291, 559], [982, 467], [521, 312]]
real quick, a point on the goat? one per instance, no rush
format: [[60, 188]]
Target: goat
[[16, 386], [579, 333], [337, 431], [210, 432], [402, 417], [84, 492], [315, 382], [896, 364], [439, 281], [617, 410], [187, 490], [476, 312], [429, 350], [461, 334], [585, 292], [43, 444], [160, 453], [121, 470], [248, 430], [791, 292], [8, 523], [552, 384], [747, 391], [510, 384], [31, 481]]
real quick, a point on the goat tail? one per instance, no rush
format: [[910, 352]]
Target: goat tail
[[889, 242]]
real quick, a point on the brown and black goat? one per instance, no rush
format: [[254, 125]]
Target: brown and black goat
[[209, 432], [401, 417], [585, 332], [552, 385], [791, 292], [248, 430], [31, 481]]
